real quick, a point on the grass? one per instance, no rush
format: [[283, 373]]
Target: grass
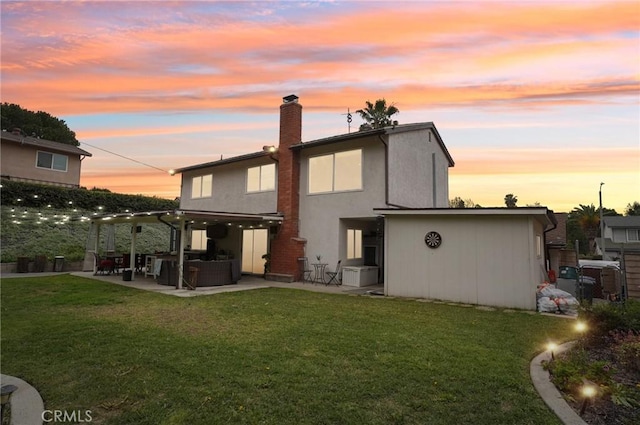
[[270, 356]]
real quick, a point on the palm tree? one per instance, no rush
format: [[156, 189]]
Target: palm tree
[[588, 218], [510, 200], [378, 115]]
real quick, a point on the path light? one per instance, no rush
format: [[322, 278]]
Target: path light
[[5, 398], [581, 327], [551, 347], [588, 392]]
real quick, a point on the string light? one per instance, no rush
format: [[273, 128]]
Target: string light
[[170, 172]]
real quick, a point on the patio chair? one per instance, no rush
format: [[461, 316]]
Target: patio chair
[[103, 265], [334, 276], [305, 270]]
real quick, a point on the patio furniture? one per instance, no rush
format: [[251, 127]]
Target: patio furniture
[[103, 265], [210, 273], [305, 270], [318, 275], [334, 276], [193, 278]]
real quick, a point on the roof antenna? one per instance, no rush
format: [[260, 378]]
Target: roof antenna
[[349, 119]]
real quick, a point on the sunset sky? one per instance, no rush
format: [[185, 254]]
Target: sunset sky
[[539, 99]]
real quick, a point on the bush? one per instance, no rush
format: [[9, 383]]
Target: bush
[[603, 319], [569, 372], [627, 348]]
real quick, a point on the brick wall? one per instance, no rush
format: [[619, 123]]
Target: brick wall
[[287, 247]]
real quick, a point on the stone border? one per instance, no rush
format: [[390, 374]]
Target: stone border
[[548, 391]]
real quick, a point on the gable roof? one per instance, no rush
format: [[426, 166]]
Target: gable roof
[[619, 221], [330, 140], [219, 162], [402, 128], [43, 144]]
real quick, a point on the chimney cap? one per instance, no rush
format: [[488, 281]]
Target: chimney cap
[[290, 98]]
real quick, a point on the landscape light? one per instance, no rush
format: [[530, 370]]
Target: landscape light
[[588, 392], [551, 347], [581, 326]]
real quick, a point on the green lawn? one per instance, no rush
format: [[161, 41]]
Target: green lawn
[[270, 356]]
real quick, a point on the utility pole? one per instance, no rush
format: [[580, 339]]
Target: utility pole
[[604, 250]]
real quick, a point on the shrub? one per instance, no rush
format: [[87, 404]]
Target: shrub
[[569, 372], [627, 349], [603, 319]]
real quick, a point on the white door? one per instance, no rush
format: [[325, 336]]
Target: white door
[[254, 246]]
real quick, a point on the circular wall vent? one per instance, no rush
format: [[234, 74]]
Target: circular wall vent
[[433, 239]]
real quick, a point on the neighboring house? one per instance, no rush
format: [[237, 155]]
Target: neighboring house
[[621, 234], [325, 191], [34, 160]]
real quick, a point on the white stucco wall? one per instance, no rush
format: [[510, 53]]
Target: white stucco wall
[[483, 259], [320, 214], [417, 168], [229, 190]]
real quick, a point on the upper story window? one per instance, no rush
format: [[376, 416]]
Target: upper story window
[[52, 161], [201, 186], [336, 172], [633, 235], [261, 178]]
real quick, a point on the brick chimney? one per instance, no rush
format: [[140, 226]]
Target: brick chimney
[[287, 247]]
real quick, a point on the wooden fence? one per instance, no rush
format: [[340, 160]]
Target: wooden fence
[[632, 268]]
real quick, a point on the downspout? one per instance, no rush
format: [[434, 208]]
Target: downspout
[[554, 222], [386, 174]]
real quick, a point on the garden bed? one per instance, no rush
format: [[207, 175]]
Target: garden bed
[[607, 357]]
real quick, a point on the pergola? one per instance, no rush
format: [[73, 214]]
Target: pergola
[[181, 221]]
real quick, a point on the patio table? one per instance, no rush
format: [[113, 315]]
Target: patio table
[[319, 270]]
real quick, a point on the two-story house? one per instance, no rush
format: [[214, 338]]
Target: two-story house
[[40, 161], [324, 192], [621, 234]]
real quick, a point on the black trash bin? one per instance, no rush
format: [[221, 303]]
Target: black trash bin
[[58, 263], [23, 264], [126, 275]]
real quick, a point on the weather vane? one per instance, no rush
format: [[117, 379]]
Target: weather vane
[[349, 119]]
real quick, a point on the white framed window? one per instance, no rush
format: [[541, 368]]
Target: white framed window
[[633, 235], [201, 186], [336, 172], [354, 243], [52, 161], [199, 239], [261, 178]]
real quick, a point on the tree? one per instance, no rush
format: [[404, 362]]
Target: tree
[[510, 200], [632, 209], [37, 124], [377, 115], [588, 219], [458, 202]]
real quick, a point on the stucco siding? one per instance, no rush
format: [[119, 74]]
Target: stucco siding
[[19, 162], [418, 169], [482, 260], [320, 214], [229, 190]]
